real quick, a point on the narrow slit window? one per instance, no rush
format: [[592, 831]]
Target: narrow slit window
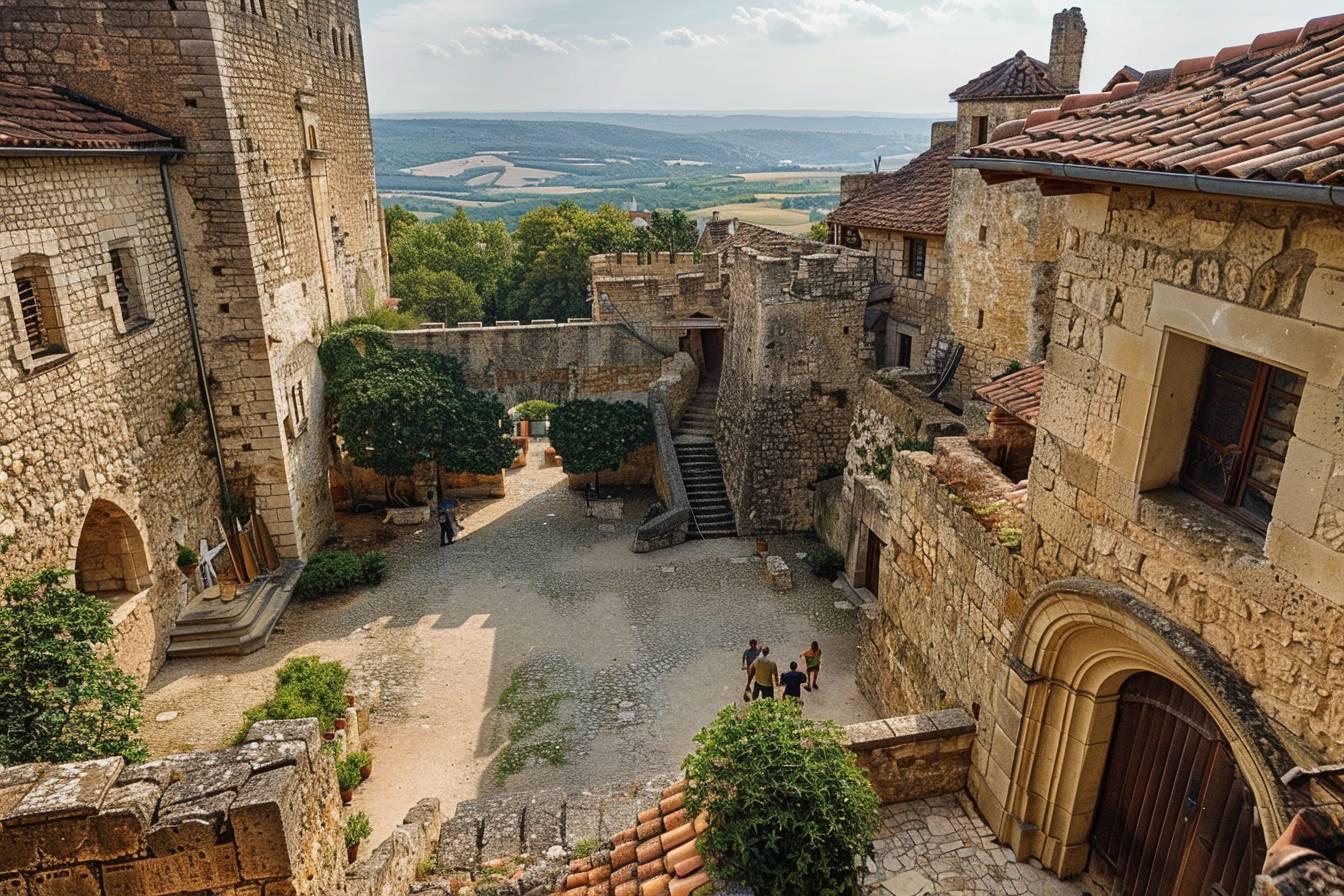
[[915, 253], [124, 280]]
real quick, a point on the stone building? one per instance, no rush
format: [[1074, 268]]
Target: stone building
[[106, 460], [280, 222], [901, 217], [1165, 606], [1001, 243]]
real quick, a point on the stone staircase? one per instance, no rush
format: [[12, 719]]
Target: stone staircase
[[712, 515], [242, 625]]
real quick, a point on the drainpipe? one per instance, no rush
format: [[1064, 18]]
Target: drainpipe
[[201, 378]]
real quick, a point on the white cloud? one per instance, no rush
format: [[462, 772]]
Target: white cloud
[[814, 19], [947, 10], [610, 42], [685, 37], [453, 49], [512, 41]]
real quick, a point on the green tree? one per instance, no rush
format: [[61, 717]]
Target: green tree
[[472, 439], [480, 253], [820, 231], [552, 246], [63, 699], [591, 435], [670, 232], [437, 295], [789, 809], [396, 220]]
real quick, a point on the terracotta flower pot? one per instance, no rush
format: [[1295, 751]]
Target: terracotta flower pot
[[352, 853], [762, 547], [189, 570], [347, 796], [328, 735], [366, 770], [340, 724]]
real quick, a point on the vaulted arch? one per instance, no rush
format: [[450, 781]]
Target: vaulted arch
[[110, 556]]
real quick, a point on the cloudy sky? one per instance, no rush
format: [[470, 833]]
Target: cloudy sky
[[887, 56]]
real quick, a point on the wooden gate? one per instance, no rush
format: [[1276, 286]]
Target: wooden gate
[[1175, 817], [872, 562]]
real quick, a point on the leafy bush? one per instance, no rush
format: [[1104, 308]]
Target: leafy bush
[[357, 828], [361, 758], [331, 572], [305, 688], [347, 773], [535, 409], [656, 509], [825, 562], [187, 557], [592, 435], [63, 700], [789, 809]]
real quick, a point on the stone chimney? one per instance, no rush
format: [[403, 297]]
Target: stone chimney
[[1066, 48], [942, 130]]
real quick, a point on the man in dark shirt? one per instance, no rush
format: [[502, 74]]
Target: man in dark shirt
[[793, 681], [748, 657]]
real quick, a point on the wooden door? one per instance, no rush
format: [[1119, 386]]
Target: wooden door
[[1175, 817], [872, 562]]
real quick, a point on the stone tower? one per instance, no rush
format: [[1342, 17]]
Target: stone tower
[[1067, 37], [275, 191]]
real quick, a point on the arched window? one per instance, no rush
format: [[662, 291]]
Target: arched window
[[110, 560], [312, 136], [335, 42]]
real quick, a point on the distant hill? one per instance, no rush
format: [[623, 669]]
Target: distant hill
[[710, 123]]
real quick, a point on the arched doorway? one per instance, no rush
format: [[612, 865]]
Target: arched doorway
[[1174, 816], [1087, 661], [110, 558]]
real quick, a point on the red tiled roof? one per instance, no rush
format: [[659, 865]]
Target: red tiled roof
[[40, 118], [1272, 109], [1018, 393], [656, 858], [721, 235], [913, 198], [1020, 77]]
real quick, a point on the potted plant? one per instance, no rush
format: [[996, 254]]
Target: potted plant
[[761, 547], [357, 829], [347, 776], [187, 561], [364, 759], [339, 723]]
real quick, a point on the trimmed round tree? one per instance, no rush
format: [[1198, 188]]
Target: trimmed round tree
[[63, 699], [592, 436], [789, 809]]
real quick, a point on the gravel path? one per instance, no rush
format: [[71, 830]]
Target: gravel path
[[615, 659]]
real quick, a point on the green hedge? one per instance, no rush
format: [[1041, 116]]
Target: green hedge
[[331, 572], [305, 688]]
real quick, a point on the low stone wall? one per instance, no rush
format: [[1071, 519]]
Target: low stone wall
[[261, 817], [636, 469], [668, 400], [911, 757]]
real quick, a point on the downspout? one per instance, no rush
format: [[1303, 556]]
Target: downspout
[[201, 377]]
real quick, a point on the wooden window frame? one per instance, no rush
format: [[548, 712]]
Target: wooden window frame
[[980, 129], [1247, 447], [41, 328], [127, 286], [916, 257]]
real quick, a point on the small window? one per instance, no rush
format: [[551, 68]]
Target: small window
[[127, 284], [915, 251], [850, 236], [280, 229], [312, 138], [297, 421], [980, 130], [350, 45], [335, 42], [1239, 435], [904, 349], [37, 309], [984, 232]]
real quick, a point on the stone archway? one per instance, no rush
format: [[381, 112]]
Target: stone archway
[[1077, 645], [110, 556]]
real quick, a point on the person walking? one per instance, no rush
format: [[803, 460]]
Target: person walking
[[812, 662], [748, 657], [793, 682], [765, 675]]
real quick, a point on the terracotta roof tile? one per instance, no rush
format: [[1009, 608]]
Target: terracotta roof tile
[[1019, 77], [1268, 110], [911, 199], [42, 118], [1018, 393]]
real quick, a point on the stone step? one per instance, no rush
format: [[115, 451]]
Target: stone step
[[204, 634]]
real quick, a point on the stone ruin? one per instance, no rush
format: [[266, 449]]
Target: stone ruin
[[259, 819]]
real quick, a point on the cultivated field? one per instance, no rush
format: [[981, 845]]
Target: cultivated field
[[766, 214], [827, 176]]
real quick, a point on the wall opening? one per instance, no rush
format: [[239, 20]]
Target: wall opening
[[110, 559]]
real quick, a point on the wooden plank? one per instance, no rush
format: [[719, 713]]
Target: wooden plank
[[267, 542], [235, 557]]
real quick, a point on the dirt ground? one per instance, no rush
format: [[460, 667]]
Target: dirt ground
[[538, 651]]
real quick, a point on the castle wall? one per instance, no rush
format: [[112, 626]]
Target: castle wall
[[918, 307], [794, 355], [1146, 281], [646, 289], [1000, 289], [554, 362], [282, 238], [97, 424]]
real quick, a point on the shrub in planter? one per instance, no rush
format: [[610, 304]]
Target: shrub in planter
[[357, 830], [789, 809], [363, 760], [331, 572], [536, 409], [305, 688], [347, 774], [594, 435], [825, 562]]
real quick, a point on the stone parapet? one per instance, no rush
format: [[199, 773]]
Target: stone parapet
[[912, 757], [667, 402]]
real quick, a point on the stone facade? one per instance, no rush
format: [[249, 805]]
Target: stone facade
[[106, 464], [278, 210], [646, 288], [794, 359], [1110, 548], [917, 309], [261, 817]]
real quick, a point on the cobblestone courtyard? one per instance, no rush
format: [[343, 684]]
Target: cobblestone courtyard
[[611, 660]]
